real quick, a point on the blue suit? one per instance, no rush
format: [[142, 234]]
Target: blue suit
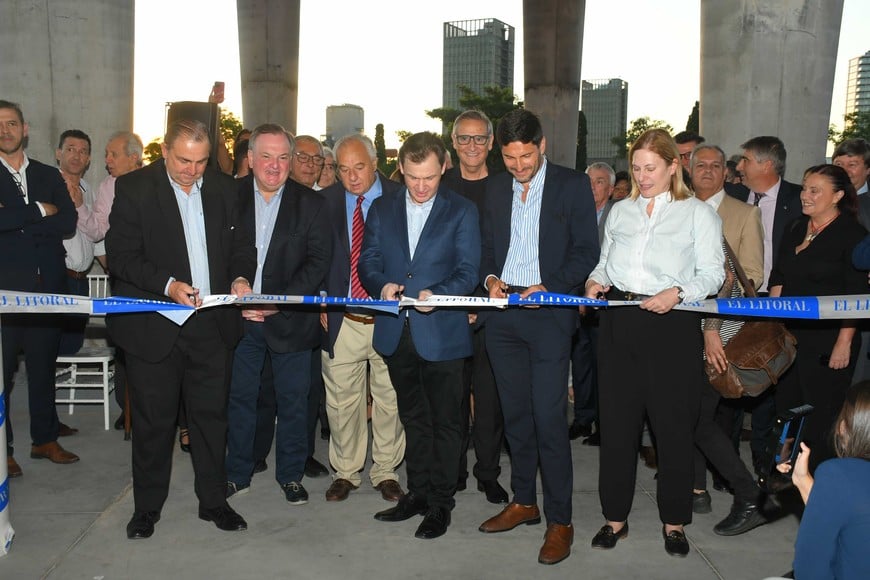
[[446, 262], [425, 352]]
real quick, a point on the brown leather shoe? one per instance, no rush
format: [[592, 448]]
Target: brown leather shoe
[[648, 454], [510, 517], [390, 490], [339, 490], [557, 544], [12, 468], [64, 430], [53, 452]]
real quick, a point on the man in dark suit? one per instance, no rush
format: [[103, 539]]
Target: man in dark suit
[[762, 164], [584, 349], [350, 363], [539, 234], [35, 214], [421, 242], [174, 233]]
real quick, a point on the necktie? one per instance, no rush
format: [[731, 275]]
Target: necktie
[[356, 287], [758, 197]]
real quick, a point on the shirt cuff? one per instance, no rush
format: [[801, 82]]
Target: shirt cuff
[[41, 209], [166, 288]]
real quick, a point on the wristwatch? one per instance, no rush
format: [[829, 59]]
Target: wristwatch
[[681, 294]]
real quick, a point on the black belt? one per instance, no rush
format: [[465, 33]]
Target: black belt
[[617, 294], [76, 275]]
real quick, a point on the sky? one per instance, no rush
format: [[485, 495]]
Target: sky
[[385, 57]]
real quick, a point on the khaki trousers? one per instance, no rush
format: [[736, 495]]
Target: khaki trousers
[[345, 378]]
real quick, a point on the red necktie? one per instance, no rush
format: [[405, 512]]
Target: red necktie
[[356, 287]]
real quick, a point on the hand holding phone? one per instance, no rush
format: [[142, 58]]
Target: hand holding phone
[[217, 93]]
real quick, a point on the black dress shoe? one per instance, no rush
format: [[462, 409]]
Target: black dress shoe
[[606, 538], [434, 524], [701, 503], [409, 506], [721, 485], [141, 525], [119, 422], [743, 517], [462, 484], [593, 440], [314, 468], [578, 430], [495, 493], [225, 518], [676, 543]]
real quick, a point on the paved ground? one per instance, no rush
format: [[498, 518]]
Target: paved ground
[[69, 523]]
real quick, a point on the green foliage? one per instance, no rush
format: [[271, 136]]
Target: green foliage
[[152, 152], [582, 132], [694, 122], [381, 148], [635, 130], [495, 101], [857, 124], [403, 135]]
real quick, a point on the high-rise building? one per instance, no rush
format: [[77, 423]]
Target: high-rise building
[[858, 86], [477, 54], [605, 104], [343, 120]]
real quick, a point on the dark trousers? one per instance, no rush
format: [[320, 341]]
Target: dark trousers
[[811, 381], [73, 325], [38, 335], [713, 445], [266, 408], [529, 355], [729, 417], [487, 430], [428, 395], [649, 364], [584, 370], [196, 371], [291, 378]]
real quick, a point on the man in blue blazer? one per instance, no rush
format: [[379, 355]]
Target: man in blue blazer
[[539, 234], [424, 241]]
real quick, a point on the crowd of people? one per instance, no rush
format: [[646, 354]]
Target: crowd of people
[[299, 218]]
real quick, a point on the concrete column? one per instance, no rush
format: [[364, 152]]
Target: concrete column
[[70, 66], [269, 58], [767, 68], [553, 41]]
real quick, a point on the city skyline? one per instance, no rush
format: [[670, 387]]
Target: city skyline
[[382, 68]]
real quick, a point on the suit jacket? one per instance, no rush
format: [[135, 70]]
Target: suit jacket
[[568, 245], [446, 261], [31, 246], [145, 246], [604, 213], [338, 278], [864, 210], [296, 263], [741, 226], [788, 208]]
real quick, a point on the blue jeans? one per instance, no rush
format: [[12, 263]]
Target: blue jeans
[[292, 378]]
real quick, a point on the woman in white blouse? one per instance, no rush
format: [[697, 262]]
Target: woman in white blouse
[[661, 247]]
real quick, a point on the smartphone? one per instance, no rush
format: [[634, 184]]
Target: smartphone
[[790, 429], [217, 92]]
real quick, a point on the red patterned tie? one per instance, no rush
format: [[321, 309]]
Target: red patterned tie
[[356, 287]]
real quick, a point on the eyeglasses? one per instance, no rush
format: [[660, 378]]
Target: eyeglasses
[[306, 158], [466, 139]]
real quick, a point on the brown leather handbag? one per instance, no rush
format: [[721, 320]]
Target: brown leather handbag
[[758, 355]]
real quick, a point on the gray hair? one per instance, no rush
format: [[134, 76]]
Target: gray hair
[[702, 147], [359, 138], [604, 167], [132, 144]]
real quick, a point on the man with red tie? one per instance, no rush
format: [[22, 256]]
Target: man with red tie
[[348, 355]]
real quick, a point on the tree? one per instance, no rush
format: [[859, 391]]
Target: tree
[[152, 152], [635, 130], [381, 148], [495, 102], [581, 142], [857, 124], [694, 122]]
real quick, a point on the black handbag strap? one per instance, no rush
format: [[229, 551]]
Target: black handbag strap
[[748, 285]]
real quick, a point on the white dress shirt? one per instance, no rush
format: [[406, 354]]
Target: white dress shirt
[[680, 244]]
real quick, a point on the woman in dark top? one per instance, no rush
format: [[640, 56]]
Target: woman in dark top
[[815, 259]]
